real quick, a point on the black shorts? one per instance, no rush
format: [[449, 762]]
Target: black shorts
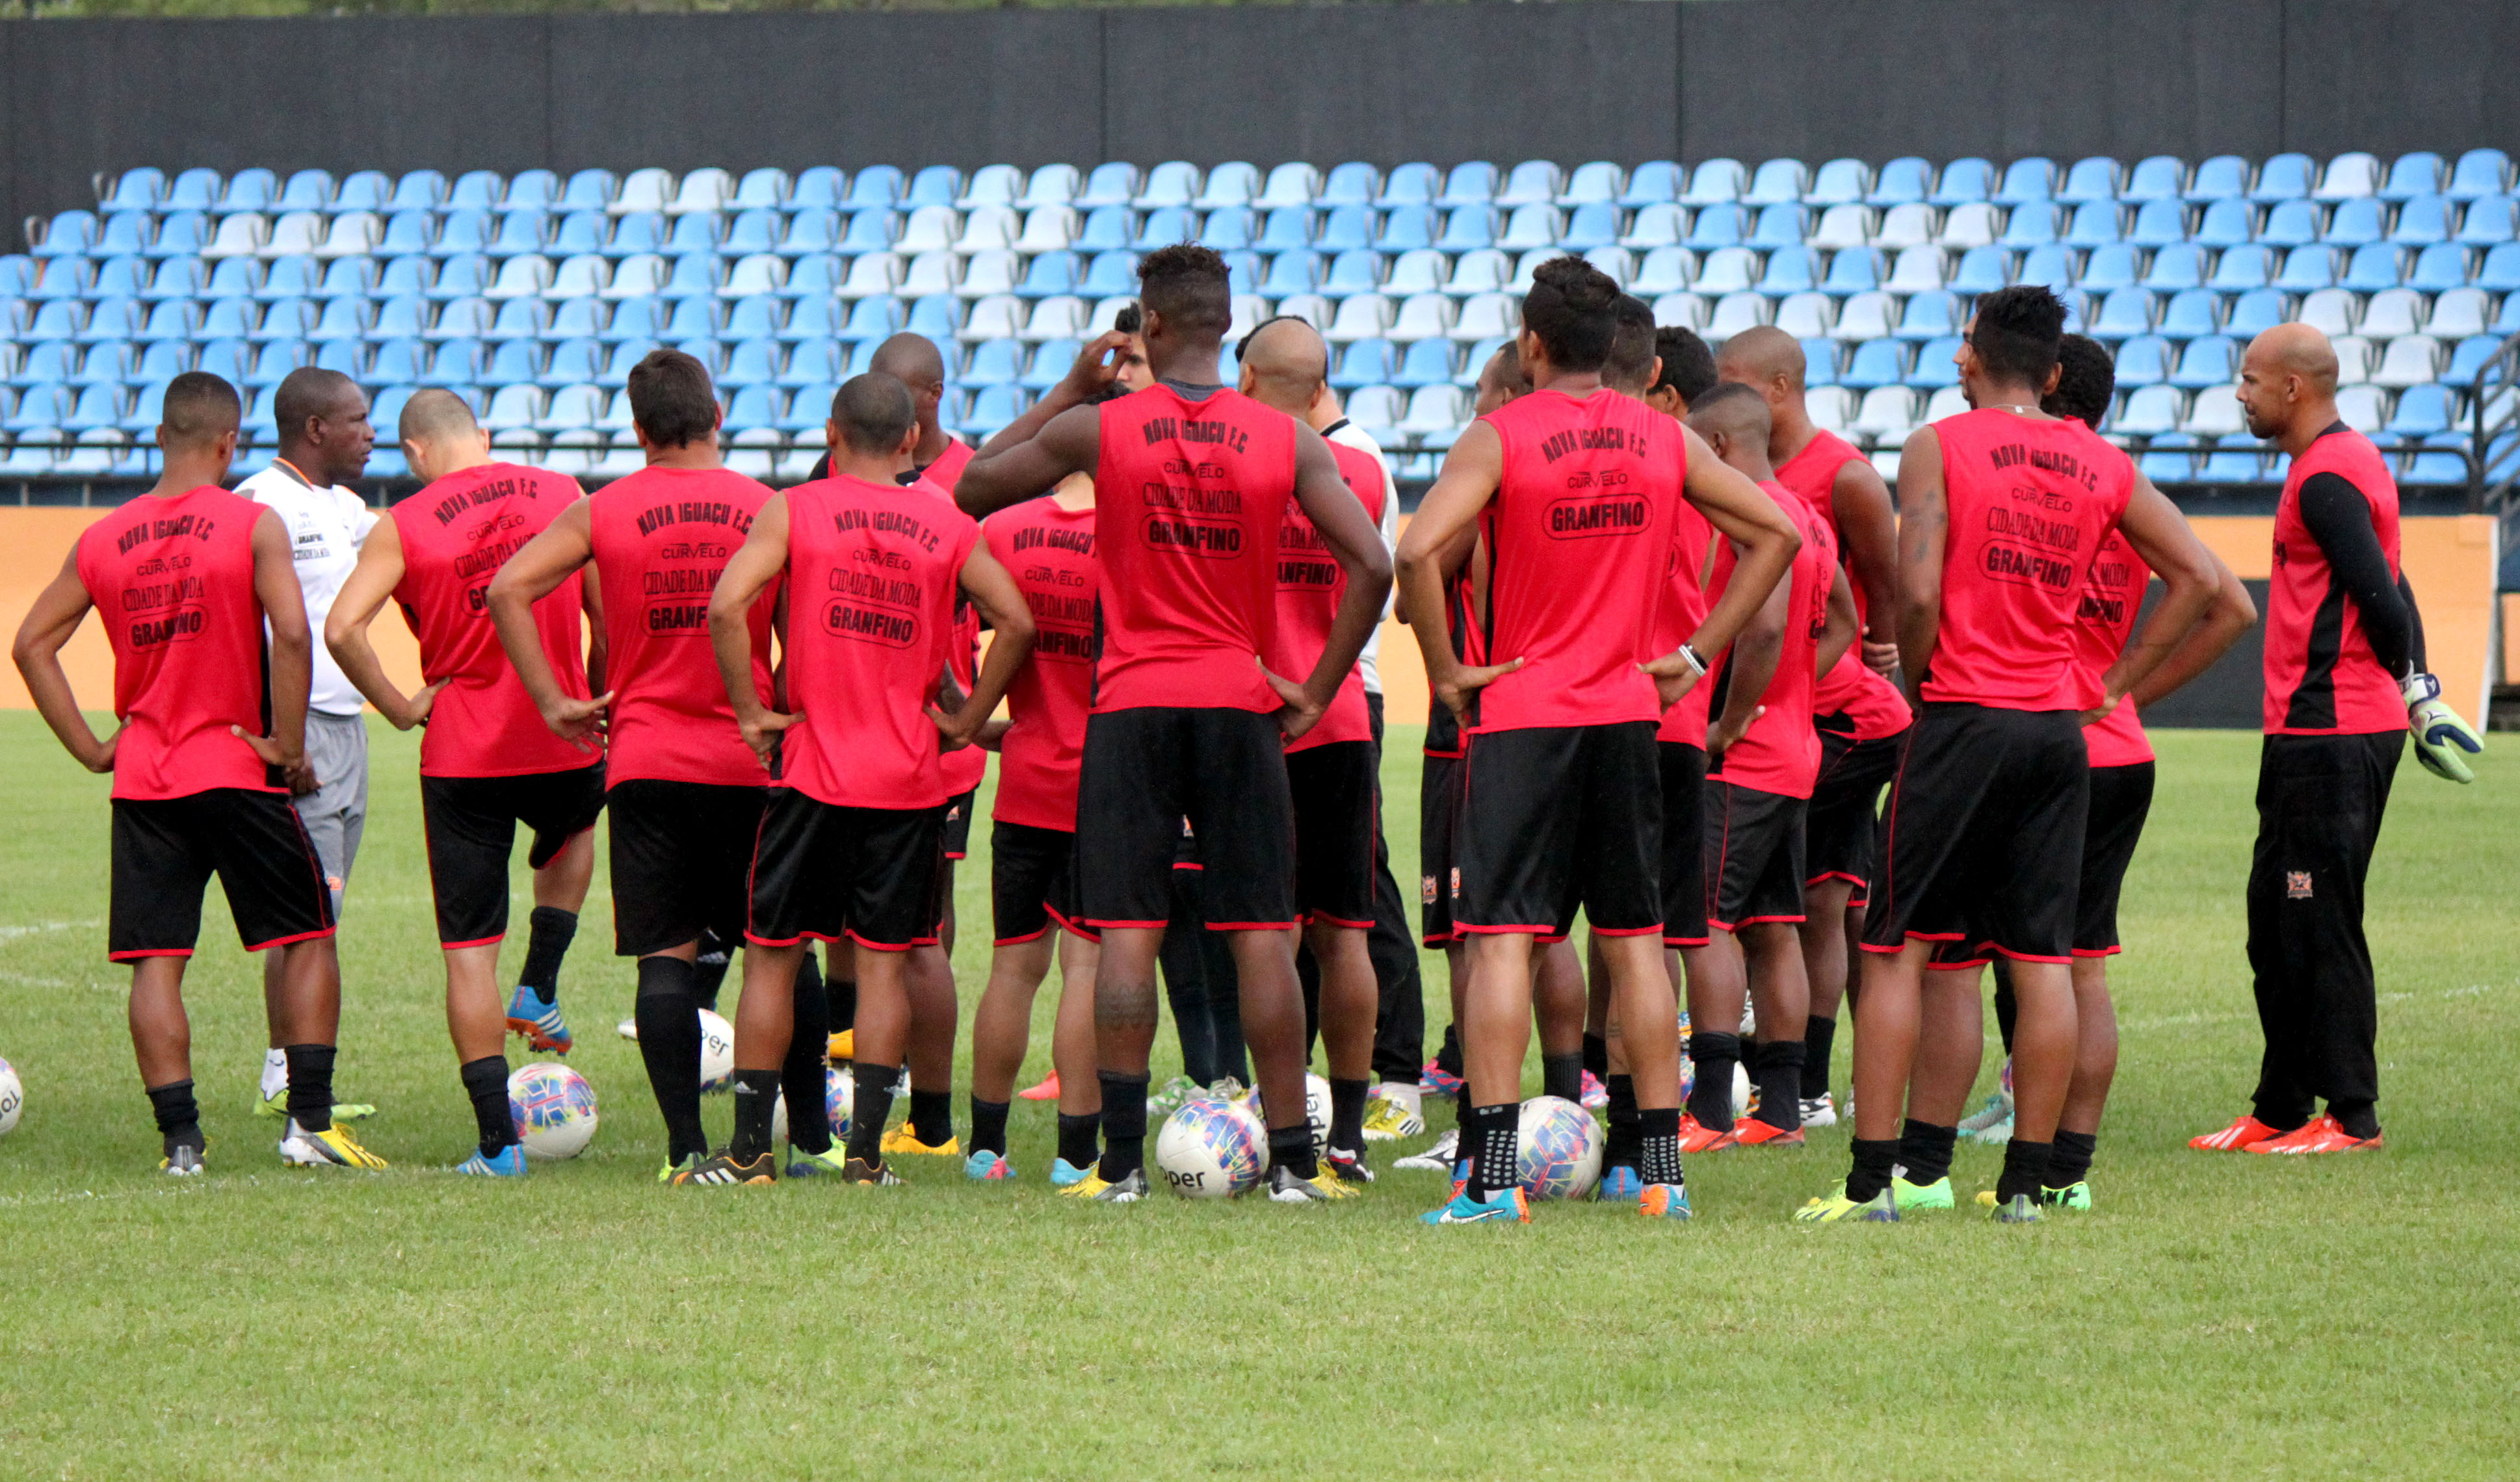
[[681, 854], [957, 824], [1439, 875], [1557, 816], [1982, 841], [1032, 882], [472, 827], [1331, 787], [1683, 843], [2121, 797], [165, 850], [1148, 769], [828, 872], [1754, 856], [1842, 826]]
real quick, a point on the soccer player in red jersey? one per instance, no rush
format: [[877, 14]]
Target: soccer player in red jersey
[[1574, 489], [2345, 679], [851, 842], [1862, 717], [1191, 480], [1764, 756], [211, 739], [2003, 510], [487, 761], [1046, 545]]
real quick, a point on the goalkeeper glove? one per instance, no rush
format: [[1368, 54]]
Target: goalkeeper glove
[[2440, 734]]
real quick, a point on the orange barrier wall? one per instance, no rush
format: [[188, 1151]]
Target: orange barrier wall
[[2450, 559]]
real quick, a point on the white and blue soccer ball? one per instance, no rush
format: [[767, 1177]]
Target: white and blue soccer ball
[[839, 1094], [1316, 1111], [1212, 1149], [13, 1099], [717, 1051], [1557, 1154], [553, 1111]]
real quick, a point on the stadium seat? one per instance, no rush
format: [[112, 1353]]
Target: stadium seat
[[2332, 311], [2030, 178], [1918, 270], [1714, 182], [2284, 177], [1966, 181], [1657, 182], [2094, 223], [1532, 182], [1467, 228], [2152, 411], [1114, 183], [1807, 316], [1174, 183], [2438, 269], [1877, 363], [1728, 270], [1597, 182], [2425, 221], [1982, 270], [2460, 312], [2189, 314], [2410, 360], [2370, 270], [1681, 310], [2357, 223], [2414, 175], [2363, 408], [2348, 176], [1866, 316], [2097, 178], [1790, 270], [1735, 312], [1846, 226], [2353, 360], [1886, 415], [1854, 271], [2393, 312], [2480, 173], [1914, 224], [1778, 182], [1840, 182], [2288, 224]]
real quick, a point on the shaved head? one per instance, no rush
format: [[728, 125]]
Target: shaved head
[[1283, 364], [1759, 355], [1500, 379], [2288, 386], [1733, 419], [2296, 349], [909, 358], [436, 411], [199, 410]]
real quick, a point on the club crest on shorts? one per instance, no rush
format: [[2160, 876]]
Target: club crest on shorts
[[2297, 884], [1456, 883], [1425, 889]]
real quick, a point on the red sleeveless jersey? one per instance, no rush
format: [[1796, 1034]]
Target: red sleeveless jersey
[[456, 534], [2102, 622], [2321, 677], [964, 768], [1050, 553], [1695, 582], [2029, 503], [873, 570], [1579, 530], [1189, 495], [661, 539], [172, 580], [1780, 752], [1873, 705], [1310, 584]]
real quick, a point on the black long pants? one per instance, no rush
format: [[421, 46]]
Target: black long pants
[[1399, 1010], [2320, 802]]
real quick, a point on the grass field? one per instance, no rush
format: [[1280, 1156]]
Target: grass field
[[2221, 1316]]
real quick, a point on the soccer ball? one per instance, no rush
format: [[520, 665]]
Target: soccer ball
[[839, 1095], [1212, 1149], [13, 1099], [717, 1051], [1316, 1111], [553, 1110], [1740, 1089], [1558, 1153]]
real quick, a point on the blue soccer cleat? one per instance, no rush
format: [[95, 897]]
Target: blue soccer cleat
[[508, 1162], [1664, 1201], [1620, 1182], [1504, 1206], [538, 1020], [986, 1167], [1064, 1174]]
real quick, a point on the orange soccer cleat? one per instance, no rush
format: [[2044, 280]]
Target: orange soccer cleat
[[1750, 1132], [1696, 1137], [1047, 1091], [2243, 1134], [2321, 1133]]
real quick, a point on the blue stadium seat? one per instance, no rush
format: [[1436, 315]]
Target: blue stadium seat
[[2469, 357], [753, 363], [2191, 314], [291, 278], [1876, 363], [1236, 182], [2057, 267], [694, 318], [1351, 184], [415, 275], [274, 360], [2438, 269], [2501, 271], [2218, 178], [106, 365], [306, 191], [870, 230], [1359, 271], [1366, 363], [1717, 226], [1840, 182], [1778, 182], [807, 232], [1824, 361], [993, 362], [1937, 365], [1716, 182], [2097, 223], [2422, 412], [878, 187], [2210, 360], [2143, 361], [1175, 183], [2480, 173], [113, 319], [574, 361], [1429, 362], [127, 232], [1413, 184], [65, 278], [1778, 225], [61, 319], [706, 351], [343, 277], [1963, 181], [136, 190], [170, 358], [1856, 270], [1285, 229], [181, 234], [477, 191], [363, 191], [1790, 270], [416, 191], [462, 278], [2033, 224], [1597, 182], [1593, 226], [1467, 228], [248, 191], [2257, 311], [2424, 221], [519, 362], [2093, 179], [2357, 223], [633, 233], [2370, 269], [2490, 220], [1229, 230], [409, 233], [816, 362], [816, 276], [1930, 316], [2183, 265], [122, 278], [2284, 177], [397, 361], [2420, 173], [47, 363], [1657, 182], [2027, 179], [193, 190], [353, 319], [936, 185], [457, 319], [1162, 228], [2124, 313]]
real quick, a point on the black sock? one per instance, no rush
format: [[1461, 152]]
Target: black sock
[[1563, 1076], [1925, 1150], [1597, 1055], [1870, 1173], [1080, 1137], [931, 1116], [2025, 1170], [988, 1125], [756, 1101], [179, 1117], [871, 1102], [1658, 1146], [2360, 1119], [1292, 1148], [1780, 1084], [2071, 1162], [486, 1081], [1626, 1132], [1714, 1053], [310, 1086], [667, 1016], [1820, 1037], [553, 930], [1492, 1142], [1347, 1115], [708, 969], [801, 1074], [1448, 1058], [1124, 1125]]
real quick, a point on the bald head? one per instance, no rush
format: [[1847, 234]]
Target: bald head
[[434, 414], [910, 359], [2297, 349], [1765, 357], [1733, 419], [1284, 365], [2288, 386]]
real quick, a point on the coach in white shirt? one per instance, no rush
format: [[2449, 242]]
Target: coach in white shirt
[[325, 438]]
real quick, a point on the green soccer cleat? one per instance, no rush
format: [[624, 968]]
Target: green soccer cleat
[[691, 1161], [1934, 1195], [2075, 1196], [1837, 1207], [831, 1162], [2020, 1209], [1167, 1098]]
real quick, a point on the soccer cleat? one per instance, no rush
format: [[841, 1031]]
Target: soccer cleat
[[1130, 1188], [720, 1170], [689, 1160], [842, 1048], [2077, 1197], [1696, 1137], [1348, 1167], [182, 1161], [2020, 1209], [332, 1148], [1750, 1132], [1067, 1174], [1167, 1098], [1836, 1208], [867, 1175], [830, 1163], [2320, 1133], [1435, 1080], [1991, 1123], [1285, 1187], [1437, 1157], [1226, 1087], [1910, 1196], [1818, 1112], [628, 1029], [538, 1020], [1047, 1091], [986, 1167], [2244, 1132], [1664, 1201], [275, 1105], [1389, 1120], [902, 1139], [508, 1162], [1619, 1183], [1596, 1096], [1505, 1206]]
